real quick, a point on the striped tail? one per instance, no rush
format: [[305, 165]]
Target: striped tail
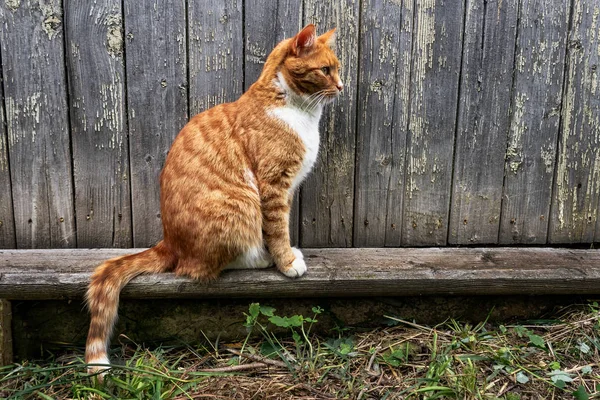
[[103, 296]]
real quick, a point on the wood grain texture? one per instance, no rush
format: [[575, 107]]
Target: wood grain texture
[[483, 121], [436, 59], [384, 78], [155, 35], [216, 53], [326, 208], [6, 342], [7, 221], [533, 135], [31, 36], [266, 23], [576, 195], [99, 123], [54, 274]]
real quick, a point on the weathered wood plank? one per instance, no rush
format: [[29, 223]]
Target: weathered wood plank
[[384, 78], [7, 222], [6, 343], [98, 123], [436, 58], [533, 134], [327, 198], [215, 48], [483, 121], [266, 23], [31, 37], [54, 274], [576, 195], [155, 33]]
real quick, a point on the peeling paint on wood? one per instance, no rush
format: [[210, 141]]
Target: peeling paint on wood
[[36, 120], [12, 5], [266, 23], [536, 102], [483, 121], [576, 196], [216, 51], [386, 37], [328, 193], [98, 120], [157, 102], [436, 56]]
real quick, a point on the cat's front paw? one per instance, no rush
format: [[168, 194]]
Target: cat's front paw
[[296, 269], [297, 253]]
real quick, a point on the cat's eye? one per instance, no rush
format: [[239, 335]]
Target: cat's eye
[[325, 70]]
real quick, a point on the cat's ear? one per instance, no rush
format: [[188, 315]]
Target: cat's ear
[[328, 38], [304, 40]]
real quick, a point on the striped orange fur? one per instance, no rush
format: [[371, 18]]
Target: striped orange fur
[[228, 182]]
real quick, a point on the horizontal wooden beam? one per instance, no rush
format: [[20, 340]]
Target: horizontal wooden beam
[[57, 274]]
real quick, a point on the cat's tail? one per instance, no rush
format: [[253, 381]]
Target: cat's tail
[[103, 296]]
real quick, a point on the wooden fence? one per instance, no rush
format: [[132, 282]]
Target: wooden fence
[[463, 122]]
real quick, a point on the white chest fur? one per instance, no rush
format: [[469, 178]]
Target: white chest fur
[[306, 126]]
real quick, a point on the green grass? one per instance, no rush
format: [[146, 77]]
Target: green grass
[[554, 358]]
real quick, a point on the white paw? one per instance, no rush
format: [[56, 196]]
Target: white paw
[[297, 269], [297, 253]]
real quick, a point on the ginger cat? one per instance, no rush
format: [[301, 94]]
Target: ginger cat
[[228, 182]]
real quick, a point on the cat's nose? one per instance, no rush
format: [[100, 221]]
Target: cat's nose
[[340, 86]]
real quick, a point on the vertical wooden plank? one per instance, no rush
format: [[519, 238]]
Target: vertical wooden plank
[[7, 222], [327, 195], [384, 78], [6, 343], [98, 121], [577, 181], [483, 121], [155, 33], [266, 23], [536, 101], [31, 36], [216, 53], [433, 100]]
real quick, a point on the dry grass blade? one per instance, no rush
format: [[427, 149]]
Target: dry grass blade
[[257, 358]]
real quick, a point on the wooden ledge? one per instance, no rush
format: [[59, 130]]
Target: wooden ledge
[[58, 274]]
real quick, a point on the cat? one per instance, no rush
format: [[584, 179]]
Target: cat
[[228, 182]]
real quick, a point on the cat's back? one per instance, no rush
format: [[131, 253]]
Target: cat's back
[[207, 150]]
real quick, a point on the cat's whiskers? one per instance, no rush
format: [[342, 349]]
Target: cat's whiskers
[[313, 101], [319, 100], [310, 100]]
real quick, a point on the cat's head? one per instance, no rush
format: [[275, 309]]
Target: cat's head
[[310, 68]]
